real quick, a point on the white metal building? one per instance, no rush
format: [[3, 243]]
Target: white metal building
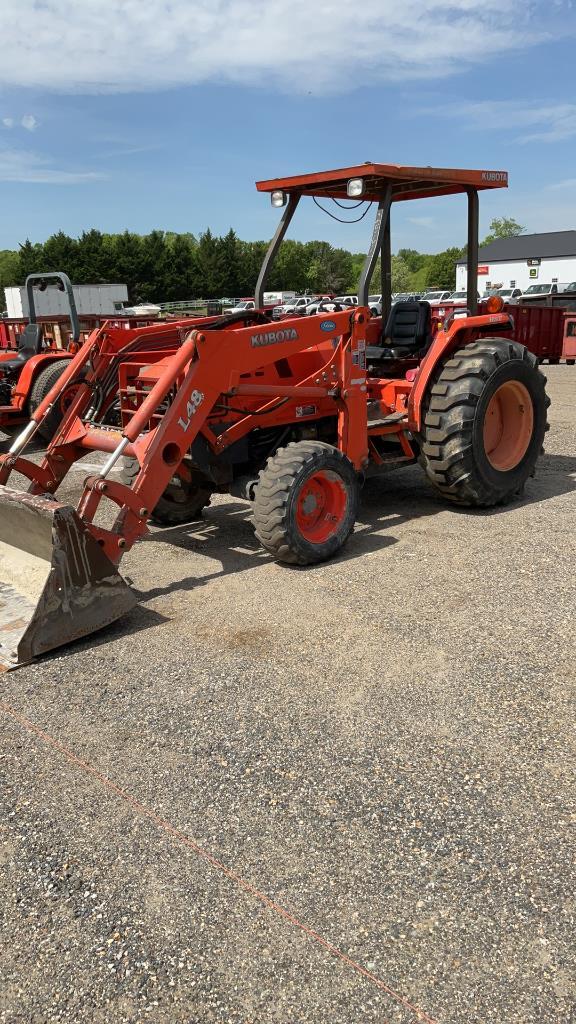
[[90, 298], [518, 262]]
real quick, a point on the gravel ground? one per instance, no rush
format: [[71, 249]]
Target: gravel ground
[[383, 745]]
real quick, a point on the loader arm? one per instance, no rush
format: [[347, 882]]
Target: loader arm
[[211, 363], [71, 560]]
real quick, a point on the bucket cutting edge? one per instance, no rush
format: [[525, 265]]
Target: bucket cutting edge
[[56, 583]]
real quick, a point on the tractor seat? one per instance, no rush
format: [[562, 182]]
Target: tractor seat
[[407, 334], [29, 344]]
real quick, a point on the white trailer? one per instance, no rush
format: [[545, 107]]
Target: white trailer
[[98, 299], [277, 298]]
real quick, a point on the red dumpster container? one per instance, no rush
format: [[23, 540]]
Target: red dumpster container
[[569, 339], [540, 329]]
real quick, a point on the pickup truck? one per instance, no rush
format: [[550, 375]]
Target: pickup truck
[[242, 307], [437, 296], [508, 294], [535, 291], [459, 298], [297, 306]]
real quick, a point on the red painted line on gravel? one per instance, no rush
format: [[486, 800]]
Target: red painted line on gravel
[[180, 837]]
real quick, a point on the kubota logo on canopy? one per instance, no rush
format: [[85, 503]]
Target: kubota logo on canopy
[[494, 176], [274, 337]]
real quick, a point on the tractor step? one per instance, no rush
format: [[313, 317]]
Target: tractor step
[[387, 465], [385, 421]]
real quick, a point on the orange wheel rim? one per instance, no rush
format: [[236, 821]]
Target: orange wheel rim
[[68, 396], [508, 425], [320, 506]]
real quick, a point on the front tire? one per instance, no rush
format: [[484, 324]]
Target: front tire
[[484, 423], [305, 502]]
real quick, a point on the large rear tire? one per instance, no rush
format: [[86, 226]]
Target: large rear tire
[[484, 423], [305, 502], [44, 382], [181, 502]]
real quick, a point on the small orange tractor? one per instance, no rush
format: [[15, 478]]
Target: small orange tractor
[[292, 416], [28, 374]]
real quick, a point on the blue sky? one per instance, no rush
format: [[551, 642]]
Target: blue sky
[[162, 115]]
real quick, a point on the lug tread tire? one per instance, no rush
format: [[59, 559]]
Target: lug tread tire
[[44, 382], [167, 512], [448, 453], [273, 501]]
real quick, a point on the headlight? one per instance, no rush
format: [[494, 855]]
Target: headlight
[[355, 188], [278, 198]]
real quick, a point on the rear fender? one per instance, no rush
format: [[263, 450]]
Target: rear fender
[[30, 371], [461, 332]]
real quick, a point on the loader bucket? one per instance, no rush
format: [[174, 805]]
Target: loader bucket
[[56, 583]]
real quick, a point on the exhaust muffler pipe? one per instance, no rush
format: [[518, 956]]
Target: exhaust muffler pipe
[[56, 583]]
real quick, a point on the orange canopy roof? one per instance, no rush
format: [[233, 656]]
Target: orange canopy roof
[[407, 182]]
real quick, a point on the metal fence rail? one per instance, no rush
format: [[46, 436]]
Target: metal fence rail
[[196, 305]]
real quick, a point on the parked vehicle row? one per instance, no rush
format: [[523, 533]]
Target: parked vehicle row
[[533, 291], [310, 305]]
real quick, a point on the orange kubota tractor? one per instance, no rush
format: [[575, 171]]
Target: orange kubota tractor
[[291, 415], [28, 374]]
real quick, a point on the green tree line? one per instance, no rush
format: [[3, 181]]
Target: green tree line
[[166, 266]]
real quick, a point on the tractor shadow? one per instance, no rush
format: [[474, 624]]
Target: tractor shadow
[[226, 535], [135, 621], [555, 476]]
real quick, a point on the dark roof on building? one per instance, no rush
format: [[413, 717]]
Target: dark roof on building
[[528, 247]]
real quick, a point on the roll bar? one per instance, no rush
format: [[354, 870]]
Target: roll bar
[[381, 225], [272, 250], [67, 287], [472, 252]]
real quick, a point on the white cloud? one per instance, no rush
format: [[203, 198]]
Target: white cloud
[[299, 46], [423, 222], [29, 122], [567, 183], [24, 166], [551, 121]]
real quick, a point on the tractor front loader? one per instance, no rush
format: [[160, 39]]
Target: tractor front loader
[[291, 416]]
